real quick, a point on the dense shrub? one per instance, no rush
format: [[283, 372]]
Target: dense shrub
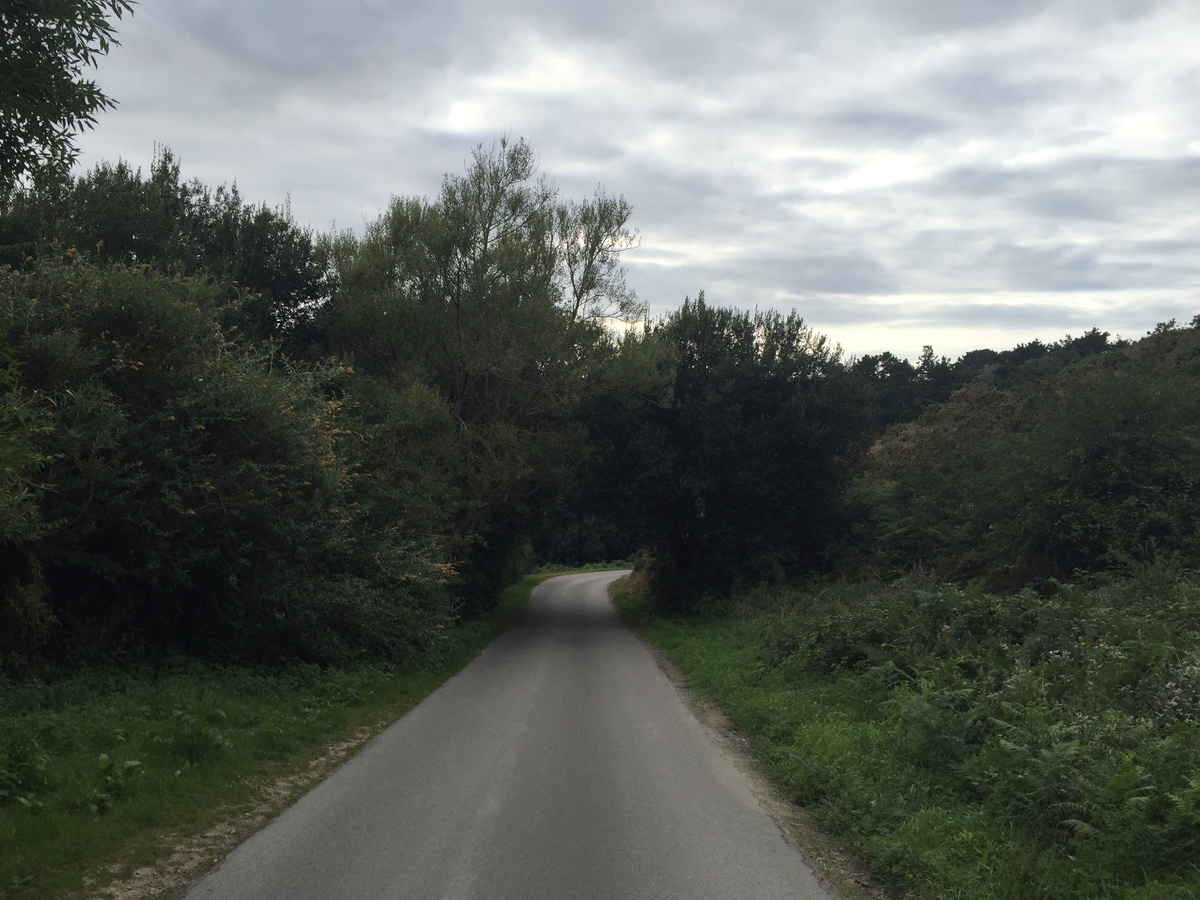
[[1072, 719], [192, 484], [120, 215], [1092, 469]]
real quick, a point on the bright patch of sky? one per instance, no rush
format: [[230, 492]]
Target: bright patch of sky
[[969, 174]]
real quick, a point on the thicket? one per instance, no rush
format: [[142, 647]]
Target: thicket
[[191, 492], [1090, 470]]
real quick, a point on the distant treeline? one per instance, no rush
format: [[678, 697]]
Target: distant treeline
[[225, 435]]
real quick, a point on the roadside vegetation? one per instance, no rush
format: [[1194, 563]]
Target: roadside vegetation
[[972, 744], [991, 683], [107, 770]]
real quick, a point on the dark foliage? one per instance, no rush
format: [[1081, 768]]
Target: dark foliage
[[269, 266], [191, 493], [45, 47], [739, 477], [1088, 470]]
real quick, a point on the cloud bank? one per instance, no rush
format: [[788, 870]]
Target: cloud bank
[[962, 175]]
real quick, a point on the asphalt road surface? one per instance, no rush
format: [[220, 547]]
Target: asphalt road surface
[[559, 764]]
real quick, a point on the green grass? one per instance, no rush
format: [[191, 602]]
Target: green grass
[[103, 772], [970, 745]]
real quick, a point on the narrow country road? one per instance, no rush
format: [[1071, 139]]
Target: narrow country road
[[559, 764]]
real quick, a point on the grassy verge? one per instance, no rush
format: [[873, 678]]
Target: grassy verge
[[972, 745], [104, 772]]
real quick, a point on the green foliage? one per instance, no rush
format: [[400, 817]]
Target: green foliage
[[898, 391], [976, 744], [739, 476], [599, 513], [22, 774], [172, 481], [476, 323], [1032, 361], [195, 496], [1091, 469], [103, 757], [114, 779], [44, 98], [115, 214], [18, 457], [590, 236], [24, 615]]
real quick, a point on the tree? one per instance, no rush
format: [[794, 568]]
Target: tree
[[892, 384], [192, 493], [935, 376], [739, 477], [45, 46], [493, 297], [117, 213], [592, 235]]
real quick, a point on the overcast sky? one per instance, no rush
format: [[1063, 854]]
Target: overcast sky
[[961, 173]]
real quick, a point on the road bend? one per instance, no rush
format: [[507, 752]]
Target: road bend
[[559, 764]]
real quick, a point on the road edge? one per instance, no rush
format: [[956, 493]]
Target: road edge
[[839, 869]]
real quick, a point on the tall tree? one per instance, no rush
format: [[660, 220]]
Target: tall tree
[[45, 47], [739, 477], [493, 297], [591, 236]]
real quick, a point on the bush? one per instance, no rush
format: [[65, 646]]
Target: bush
[[1069, 720], [1091, 470], [194, 485]]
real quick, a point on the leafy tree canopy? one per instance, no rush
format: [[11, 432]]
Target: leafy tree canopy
[[738, 477], [45, 46], [117, 213], [493, 297]]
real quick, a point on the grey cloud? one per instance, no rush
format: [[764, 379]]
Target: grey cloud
[[872, 125], [981, 314], [966, 312], [313, 37], [754, 279], [1070, 204], [1102, 188], [986, 89], [834, 272], [334, 105], [976, 15], [930, 15], [1069, 268]]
